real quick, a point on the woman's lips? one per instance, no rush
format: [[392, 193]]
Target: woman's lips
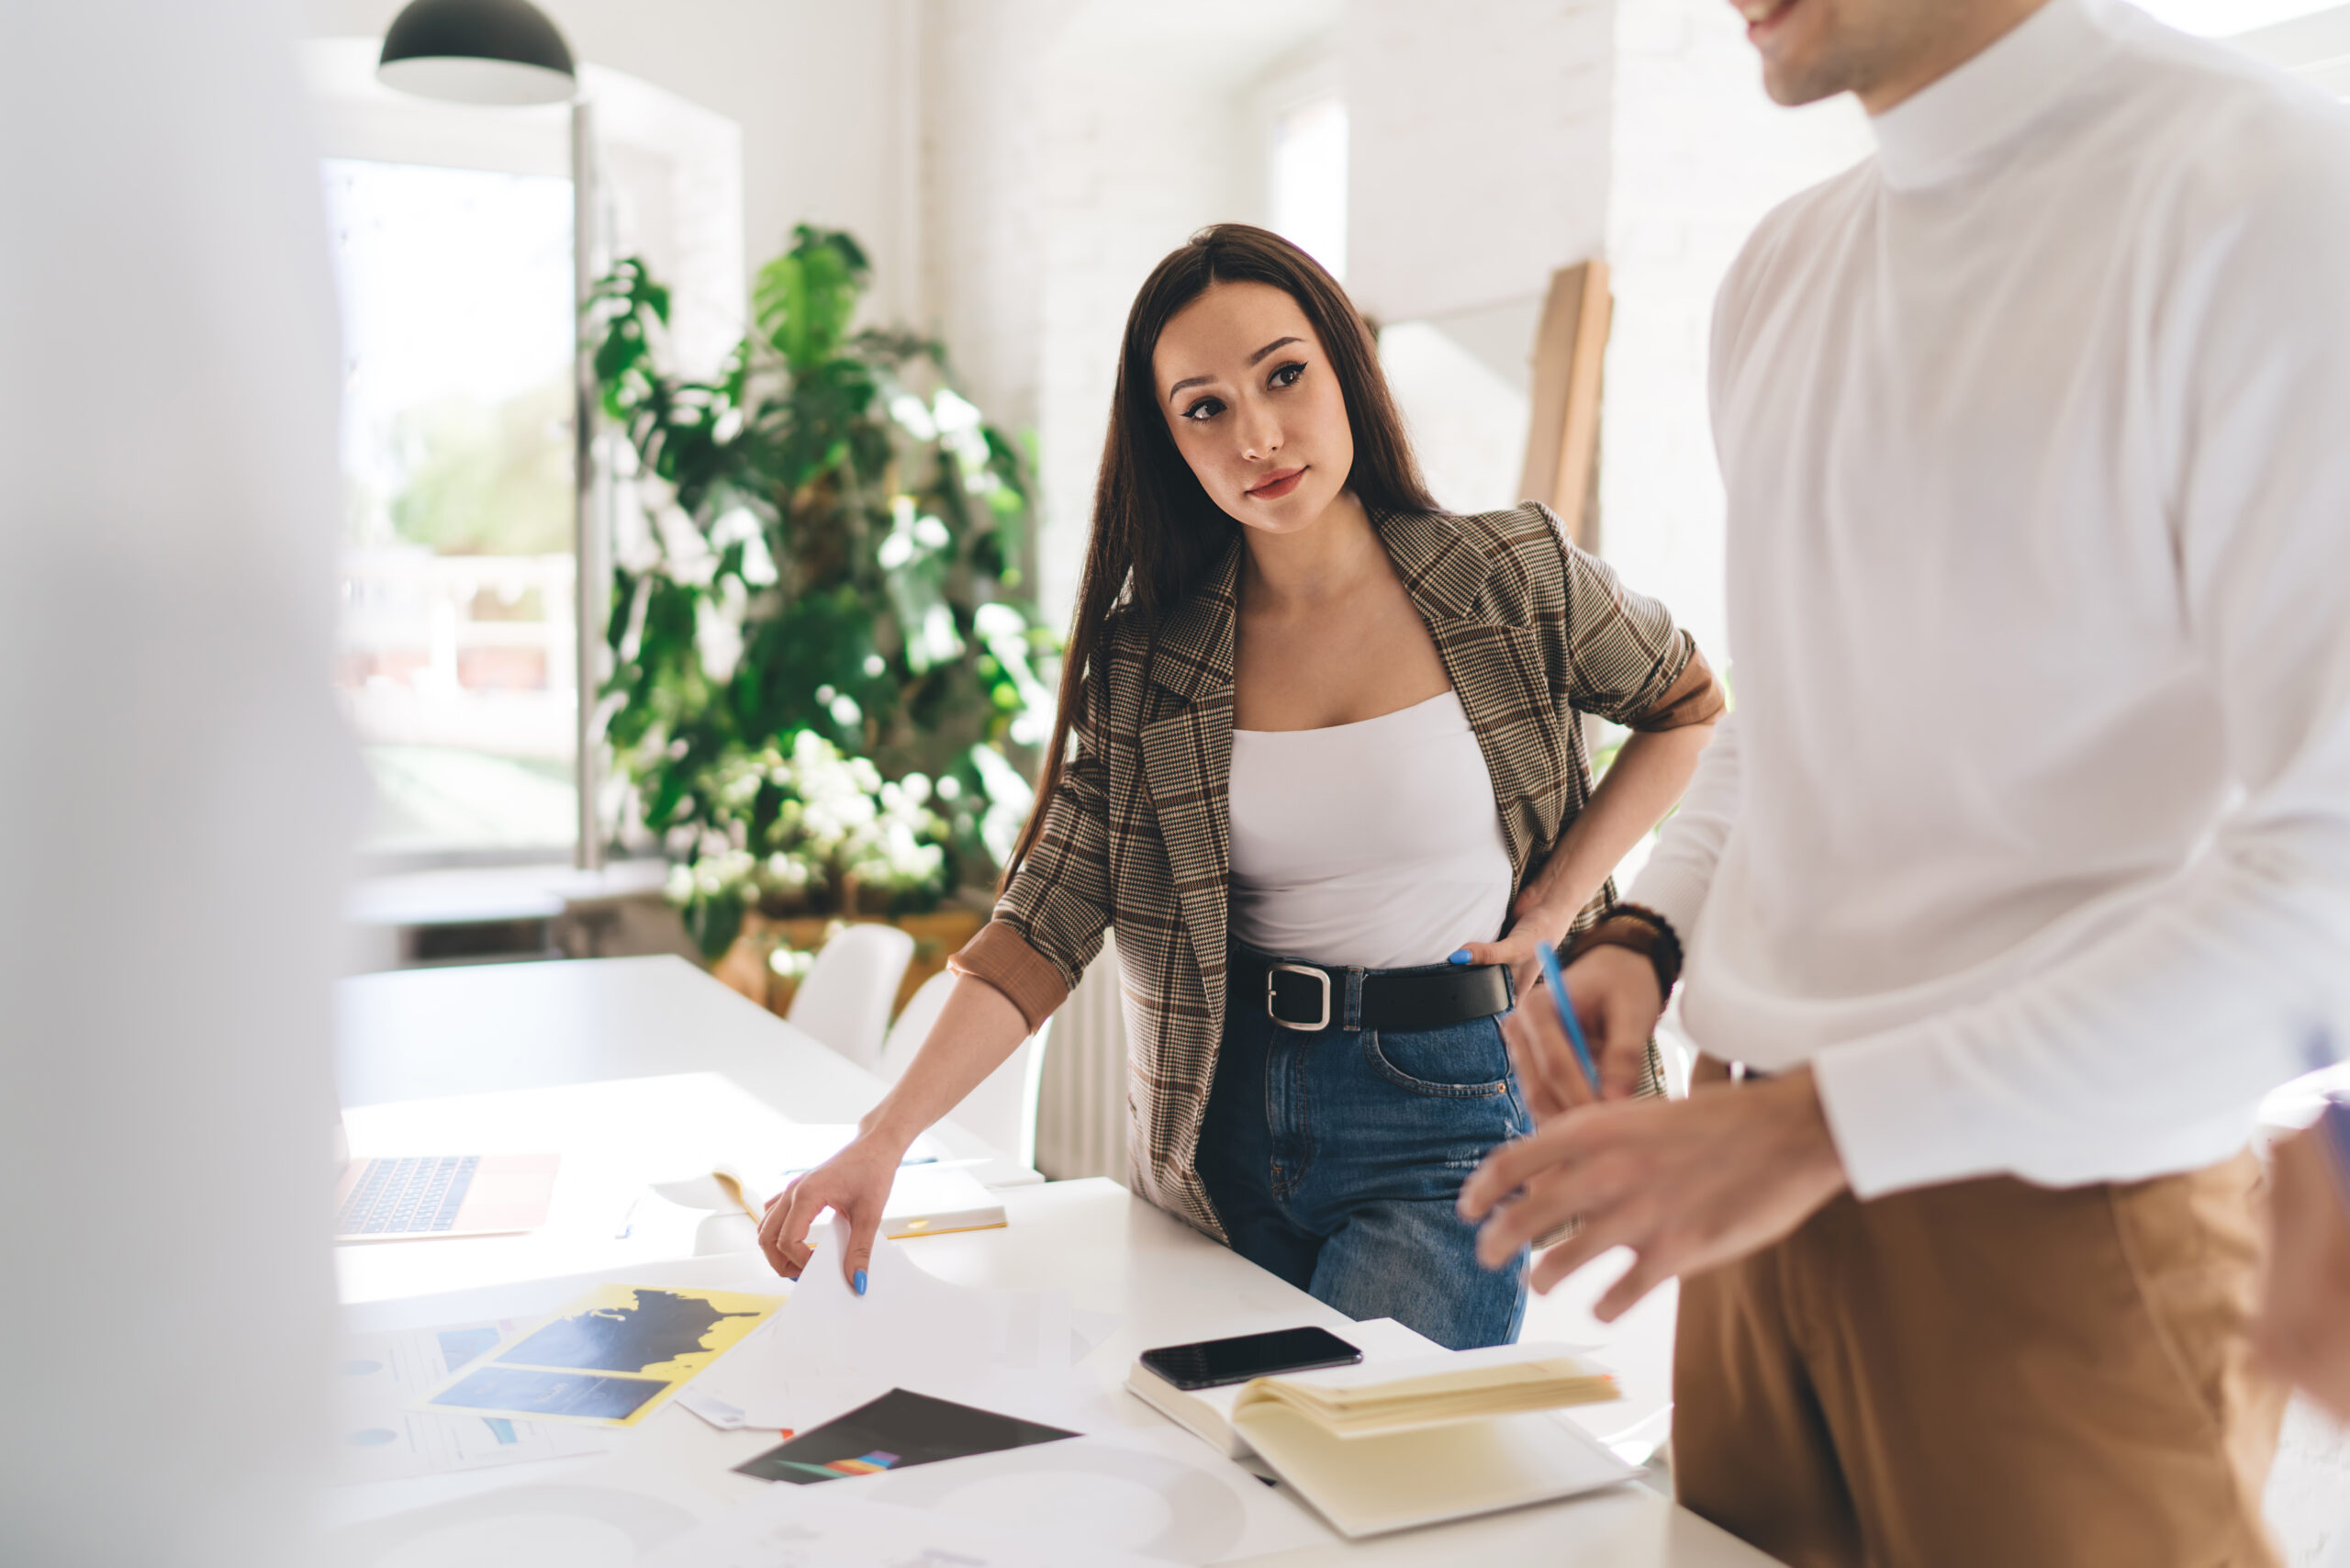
[[1277, 486]]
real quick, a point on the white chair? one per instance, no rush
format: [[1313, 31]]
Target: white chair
[[844, 1002], [1002, 1109]]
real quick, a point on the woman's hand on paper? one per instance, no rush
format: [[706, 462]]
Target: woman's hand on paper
[[1686, 1184], [1617, 1003], [854, 1184]]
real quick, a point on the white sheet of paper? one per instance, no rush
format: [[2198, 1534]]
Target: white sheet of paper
[[1157, 1492], [831, 1349], [380, 1375], [817, 1526], [1088, 1329]]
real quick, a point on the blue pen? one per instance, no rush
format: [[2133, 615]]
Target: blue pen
[[1558, 984]]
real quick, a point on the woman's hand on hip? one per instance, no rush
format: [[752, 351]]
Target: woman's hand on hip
[[1514, 952], [854, 1184], [1533, 920], [1617, 1003]]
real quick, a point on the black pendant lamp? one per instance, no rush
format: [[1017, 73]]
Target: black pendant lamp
[[478, 51]]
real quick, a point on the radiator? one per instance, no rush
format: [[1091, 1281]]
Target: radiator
[[1081, 1101]]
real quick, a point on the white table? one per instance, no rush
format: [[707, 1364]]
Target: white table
[[1112, 1252], [427, 1034]]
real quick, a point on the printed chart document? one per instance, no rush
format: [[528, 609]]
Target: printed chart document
[[898, 1430], [810, 1527], [610, 1358], [379, 1378]]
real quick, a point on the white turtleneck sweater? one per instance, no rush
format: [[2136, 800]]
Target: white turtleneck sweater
[[2032, 829]]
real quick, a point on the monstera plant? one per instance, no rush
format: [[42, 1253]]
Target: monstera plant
[[824, 665]]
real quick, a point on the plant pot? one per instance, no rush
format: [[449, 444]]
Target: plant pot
[[743, 967]]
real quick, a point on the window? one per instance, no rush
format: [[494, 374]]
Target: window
[[1306, 180], [451, 229], [456, 656]]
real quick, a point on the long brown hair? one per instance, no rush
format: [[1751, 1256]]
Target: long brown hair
[[1155, 532]]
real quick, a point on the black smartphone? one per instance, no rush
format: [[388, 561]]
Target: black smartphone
[[1212, 1363]]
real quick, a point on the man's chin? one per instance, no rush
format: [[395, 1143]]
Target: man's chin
[[1792, 86]]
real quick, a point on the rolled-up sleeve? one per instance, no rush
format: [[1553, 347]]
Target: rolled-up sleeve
[[1626, 658], [1001, 957], [1695, 699], [1047, 926]]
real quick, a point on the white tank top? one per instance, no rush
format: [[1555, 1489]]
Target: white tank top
[[1374, 844]]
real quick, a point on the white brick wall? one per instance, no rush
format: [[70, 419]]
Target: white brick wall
[[1700, 154], [1136, 163], [1480, 157], [1070, 145], [982, 229]]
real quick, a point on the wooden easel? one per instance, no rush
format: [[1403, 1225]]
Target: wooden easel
[[1562, 437]]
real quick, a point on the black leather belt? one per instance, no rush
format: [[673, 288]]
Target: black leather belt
[[1313, 996]]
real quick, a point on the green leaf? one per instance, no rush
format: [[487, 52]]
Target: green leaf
[[871, 645], [802, 301]]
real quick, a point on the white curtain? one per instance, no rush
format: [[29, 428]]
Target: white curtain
[[1081, 1106]]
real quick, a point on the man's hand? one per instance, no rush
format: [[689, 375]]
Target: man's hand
[[2304, 1327], [1686, 1184], [1616, 1002]]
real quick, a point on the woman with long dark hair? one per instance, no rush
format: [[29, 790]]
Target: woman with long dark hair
[[1319, 761]]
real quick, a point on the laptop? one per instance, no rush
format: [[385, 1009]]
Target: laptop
[[404, 1197]]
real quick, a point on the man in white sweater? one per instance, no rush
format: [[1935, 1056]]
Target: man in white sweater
[[2022, 870]]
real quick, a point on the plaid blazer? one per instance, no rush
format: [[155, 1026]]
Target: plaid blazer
[[1532, 631]]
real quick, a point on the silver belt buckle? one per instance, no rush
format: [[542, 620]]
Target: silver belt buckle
[[1322, 975]]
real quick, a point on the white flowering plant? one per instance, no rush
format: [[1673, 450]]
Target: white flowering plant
[[799, 828], [828, 549]]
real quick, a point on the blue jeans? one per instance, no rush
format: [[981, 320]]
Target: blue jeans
[[1334, 1157]]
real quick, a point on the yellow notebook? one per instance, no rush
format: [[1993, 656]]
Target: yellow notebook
[[1413, 1438], [1393, 1481], [1373, 1400]]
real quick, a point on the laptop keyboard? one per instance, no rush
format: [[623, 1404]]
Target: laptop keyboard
[[410, 1196]]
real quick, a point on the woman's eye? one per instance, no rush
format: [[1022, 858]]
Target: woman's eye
[[1205, 409], [1286, 375]]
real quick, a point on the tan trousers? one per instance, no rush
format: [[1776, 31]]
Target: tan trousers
[[1987, 1374]]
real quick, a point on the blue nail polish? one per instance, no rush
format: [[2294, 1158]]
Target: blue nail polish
[[1460, 957], [860, 1281]]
